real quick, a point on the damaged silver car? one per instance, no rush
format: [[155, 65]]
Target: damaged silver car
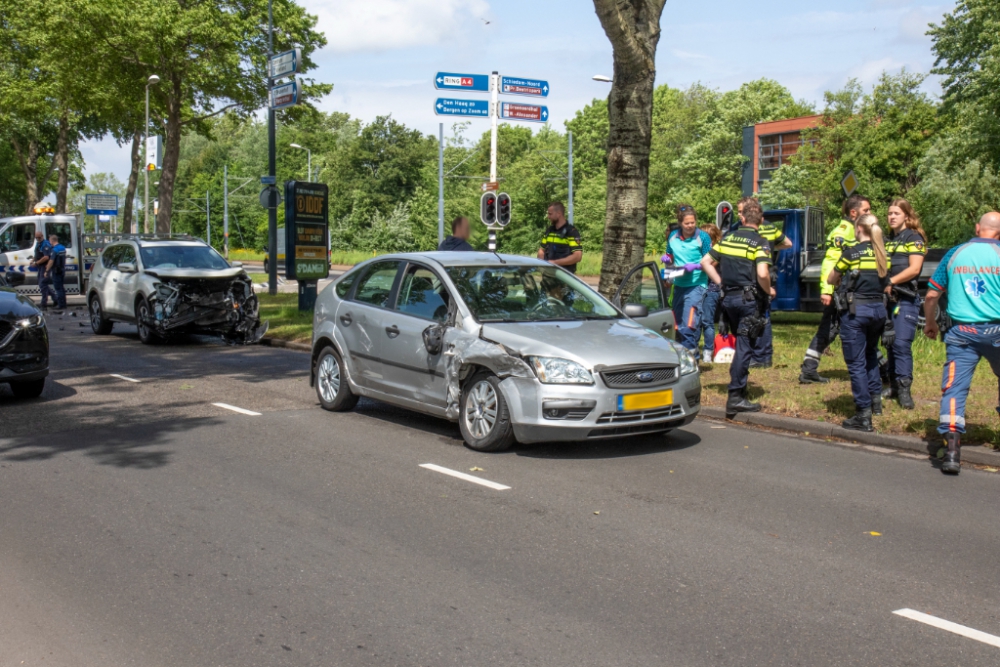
[[514, 349], [168, 287]]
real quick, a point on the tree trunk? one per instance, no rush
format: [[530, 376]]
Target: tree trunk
[[633, 27], [62, 163], [28, 156], [171, 159], [133, 183]]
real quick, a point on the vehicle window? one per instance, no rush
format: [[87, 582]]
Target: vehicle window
[[109, 258], [346, 281], [422, 294], [18, 237], [127, 254], [181, 257], [62, 230], [642, 288], [376, 286], [777, 220], [528, 294]]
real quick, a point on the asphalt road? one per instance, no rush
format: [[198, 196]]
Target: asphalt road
[[142, 525]]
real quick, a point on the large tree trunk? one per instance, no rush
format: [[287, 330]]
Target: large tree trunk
[[633, 27], [133, 183], [171, 158], [28, 154], [62, 163]]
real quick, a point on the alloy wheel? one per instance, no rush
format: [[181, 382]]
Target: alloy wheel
[[329, 378], [481, 409], [95, 314], [141, 321]]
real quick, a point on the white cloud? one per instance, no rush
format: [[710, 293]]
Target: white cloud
[[688, 55], [384, 25]]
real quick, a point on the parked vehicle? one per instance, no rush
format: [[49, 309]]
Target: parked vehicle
[[512, 348], [24, 343], [167, 287], [17, 248]]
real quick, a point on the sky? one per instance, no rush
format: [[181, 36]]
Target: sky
[[382, 55]]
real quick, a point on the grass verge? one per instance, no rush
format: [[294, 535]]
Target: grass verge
[[287, 322]]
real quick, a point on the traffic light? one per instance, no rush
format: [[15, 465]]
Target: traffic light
[[488, 208], [724, 216], [503, 209]]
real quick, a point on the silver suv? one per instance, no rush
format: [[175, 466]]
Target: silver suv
[[167, 287], [512, 348]]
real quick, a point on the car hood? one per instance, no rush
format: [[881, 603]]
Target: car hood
[[592, 343], [14, 307], [195, 274]]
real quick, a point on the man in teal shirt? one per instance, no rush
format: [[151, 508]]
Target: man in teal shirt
[[687, 246], [970, 274]]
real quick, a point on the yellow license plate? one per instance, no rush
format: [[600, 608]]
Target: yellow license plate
[[655, 399]]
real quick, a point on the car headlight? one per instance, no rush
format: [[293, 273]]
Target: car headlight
[[551, 370], [29, 322], [688, 363]]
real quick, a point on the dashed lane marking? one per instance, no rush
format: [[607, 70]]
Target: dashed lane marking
[[226, 406], [467, 478], [127, 379], [942, 624]]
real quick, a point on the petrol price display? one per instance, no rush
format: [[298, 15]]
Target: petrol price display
[[307, 235]]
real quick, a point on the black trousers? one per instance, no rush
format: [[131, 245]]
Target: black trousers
[[736, 307], [824, 336]]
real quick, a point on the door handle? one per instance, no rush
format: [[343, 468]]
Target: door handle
[[114, 280], [666, 327], [346, 320], [393, 331]]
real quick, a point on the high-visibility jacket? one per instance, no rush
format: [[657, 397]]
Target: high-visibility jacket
[[841, 237]]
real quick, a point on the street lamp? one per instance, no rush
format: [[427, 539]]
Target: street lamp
[[151, 81], [309, 157], [602, 78]]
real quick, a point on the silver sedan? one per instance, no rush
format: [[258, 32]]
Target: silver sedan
[[512, 348]]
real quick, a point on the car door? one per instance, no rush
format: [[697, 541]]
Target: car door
[[17, 249], [362, 322], [642, 285], [410, 371], [125, 284], [105, 277]]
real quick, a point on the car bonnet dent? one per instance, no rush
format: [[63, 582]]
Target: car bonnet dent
[[463, 351], [222, 304]]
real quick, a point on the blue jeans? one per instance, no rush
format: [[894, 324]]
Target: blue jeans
[[708, 308], [904, 318], [966, 345], [687, 314], [860, 334]]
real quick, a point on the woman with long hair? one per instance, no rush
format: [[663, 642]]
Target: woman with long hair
[[711, 303], [906, 248], [862, 275], [687, 246]]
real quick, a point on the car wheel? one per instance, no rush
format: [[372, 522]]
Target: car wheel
[[100, 324], [484, 418], [143, 313], [266, 267], [28, 389], [332, 389]]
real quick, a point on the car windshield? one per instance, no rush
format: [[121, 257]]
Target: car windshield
[[181, 257], [528, 294]]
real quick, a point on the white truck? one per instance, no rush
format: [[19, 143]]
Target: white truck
[[17, 248]]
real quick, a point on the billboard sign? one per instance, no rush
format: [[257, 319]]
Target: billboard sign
[[307, 231]]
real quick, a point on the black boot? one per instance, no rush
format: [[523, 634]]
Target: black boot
[[810, 376], [738, 402], [877, 406], [952, 463], [903, 394], [861, 421], [890, 390], [766, 362]]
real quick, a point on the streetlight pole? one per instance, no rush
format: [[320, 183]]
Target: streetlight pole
[[152, 80], [309, 158]]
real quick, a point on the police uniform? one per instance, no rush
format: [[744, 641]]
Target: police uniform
[[57, 270], [970, 274], [841, 237], [561, 243], [738, 256], [763, 349], [904, 311], [44, 249], [861, 327]]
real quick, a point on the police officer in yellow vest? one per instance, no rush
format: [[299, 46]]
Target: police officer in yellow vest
[[841, 237], [763, 349], [561, 244]]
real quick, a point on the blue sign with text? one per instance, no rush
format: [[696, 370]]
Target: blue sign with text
[[477, 83], [512, 85], [453, 107]]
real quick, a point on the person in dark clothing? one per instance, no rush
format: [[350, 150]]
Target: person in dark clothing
[[459, 239], [561, 244], [56, 270], [40, 261]]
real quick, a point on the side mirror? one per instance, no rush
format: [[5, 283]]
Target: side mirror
[[634, 310], [236, 265], [127, 267]]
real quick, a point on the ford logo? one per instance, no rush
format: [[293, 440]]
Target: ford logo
[[644, 376]]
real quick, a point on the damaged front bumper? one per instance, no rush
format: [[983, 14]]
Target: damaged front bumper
[[224, 306]]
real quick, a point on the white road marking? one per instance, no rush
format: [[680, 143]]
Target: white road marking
[[127, 379], [226, 406], [467, 478], [992, 640]]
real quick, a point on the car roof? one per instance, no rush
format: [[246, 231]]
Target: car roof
[[450, 259]]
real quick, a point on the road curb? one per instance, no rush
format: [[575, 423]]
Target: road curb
[[971, 454], [287, 344]]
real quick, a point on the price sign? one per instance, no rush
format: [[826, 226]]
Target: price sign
[[307, 235]]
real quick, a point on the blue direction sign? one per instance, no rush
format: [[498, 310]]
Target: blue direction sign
[[478, 83], [512, 85], [530, 112], [452, 107], [102, 204]]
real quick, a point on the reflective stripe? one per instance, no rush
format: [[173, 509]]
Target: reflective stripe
[[813, 353], [952, 420], [951, 376], [691, 319]]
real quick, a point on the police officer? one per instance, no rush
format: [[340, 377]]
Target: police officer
[[841, 237], [970, 274], [763, 349], [459, 239], [561, 244], [862, 316], [743, 258], [906, 247], [57, 271], [40, 260]]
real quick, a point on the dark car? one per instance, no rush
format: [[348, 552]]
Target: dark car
[[24, 344]]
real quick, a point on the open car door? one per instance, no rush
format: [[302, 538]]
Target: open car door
[[642, 286]]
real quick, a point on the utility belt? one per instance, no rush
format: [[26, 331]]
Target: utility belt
[[750, 292], [904, 293], [752, 326], [849, 301]]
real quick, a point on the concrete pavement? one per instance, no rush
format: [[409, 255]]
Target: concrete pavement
[[143, 525]]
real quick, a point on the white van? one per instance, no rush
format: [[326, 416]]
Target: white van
[[17, 248]]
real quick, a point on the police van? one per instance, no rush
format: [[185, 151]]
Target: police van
[[17, 247]]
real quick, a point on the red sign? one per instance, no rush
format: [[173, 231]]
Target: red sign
[[525, 111], [466, 80], [491, 186]]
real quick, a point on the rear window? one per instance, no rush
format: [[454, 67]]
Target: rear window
[[62, 230]]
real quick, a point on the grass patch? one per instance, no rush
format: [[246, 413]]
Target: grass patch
[[287, 322], [779, 391]]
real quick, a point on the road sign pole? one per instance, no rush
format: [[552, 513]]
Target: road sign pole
[[569, 178], [208, 219], [494, 113], [272, 211], [225, 211], [440, 183]]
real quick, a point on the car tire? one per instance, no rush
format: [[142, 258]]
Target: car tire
[[332, 389], [142, 313], [28, 388], [98, 322], [484, 418], [267, 265]]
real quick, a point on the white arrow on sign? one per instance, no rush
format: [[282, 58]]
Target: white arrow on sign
[[440, 79], [545, 114], [440, 106], [545, 89]]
